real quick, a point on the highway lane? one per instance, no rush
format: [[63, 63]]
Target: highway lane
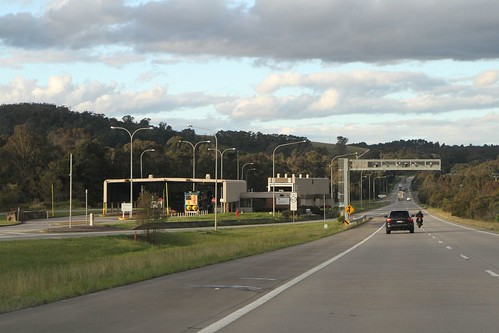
[[440, 279], [443, 278], [183, 302]]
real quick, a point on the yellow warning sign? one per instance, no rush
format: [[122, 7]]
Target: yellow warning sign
[[349, 209]]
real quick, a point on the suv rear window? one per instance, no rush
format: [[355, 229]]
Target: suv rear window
[[399, 214]]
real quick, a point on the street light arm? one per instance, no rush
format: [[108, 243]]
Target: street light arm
[[279, 146], [131, 158], [242, 169]]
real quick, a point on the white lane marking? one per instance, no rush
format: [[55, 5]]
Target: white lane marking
[[464, 257], [463, 227], [448, 247], [215, 327], [440, 242], [492, 273]]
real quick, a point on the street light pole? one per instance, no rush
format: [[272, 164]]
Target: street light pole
[[216, 171], [273, 170], [242, 169], [194, 146], [222, 167], [252, 169], [374, 184], [141, 176], [131, 159]]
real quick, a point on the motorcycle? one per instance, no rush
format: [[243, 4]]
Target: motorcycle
[[419, 221]]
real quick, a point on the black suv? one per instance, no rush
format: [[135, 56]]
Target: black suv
[[399, 220]]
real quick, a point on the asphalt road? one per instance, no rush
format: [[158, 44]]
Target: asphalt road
[[442, 278]]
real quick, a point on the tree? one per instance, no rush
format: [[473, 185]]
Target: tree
[[26, 152], [148, 214], [342, 144]]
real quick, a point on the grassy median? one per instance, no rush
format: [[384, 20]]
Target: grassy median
[[35, 272]]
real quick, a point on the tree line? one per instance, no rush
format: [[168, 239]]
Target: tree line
[[36, 141]]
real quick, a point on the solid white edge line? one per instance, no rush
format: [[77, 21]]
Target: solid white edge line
[[216, 326], [463, 227]]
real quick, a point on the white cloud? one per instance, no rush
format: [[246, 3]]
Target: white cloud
[[328, 100], [487, 78], [295, 64]]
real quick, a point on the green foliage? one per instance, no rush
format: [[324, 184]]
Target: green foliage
[[468, 191], [148, 215], [36, 141]]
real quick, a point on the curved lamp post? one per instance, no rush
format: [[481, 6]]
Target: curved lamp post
[[216, 169], [252, 169], [273, 170], [222, 159], [131, 134], [194, 158], [242, 169]]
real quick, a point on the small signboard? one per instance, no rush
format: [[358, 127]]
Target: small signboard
[[349, 209], [191, 203], [293, 201], [282, 201], [126, 207]]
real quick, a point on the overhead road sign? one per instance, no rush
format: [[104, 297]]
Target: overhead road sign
[[396, 165]]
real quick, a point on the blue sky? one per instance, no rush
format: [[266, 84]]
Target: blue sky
[[371, 71]]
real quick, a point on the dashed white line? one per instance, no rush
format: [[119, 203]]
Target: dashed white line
[[464, 257], [440, 242], [449, 247], [492, 273]]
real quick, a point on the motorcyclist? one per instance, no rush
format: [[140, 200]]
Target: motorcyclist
[[419, 218]]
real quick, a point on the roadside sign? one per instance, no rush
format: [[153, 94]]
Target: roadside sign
[[293, 201], [349, 209], [126, 207]]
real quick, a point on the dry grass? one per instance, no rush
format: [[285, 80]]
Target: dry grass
[[482, 225]]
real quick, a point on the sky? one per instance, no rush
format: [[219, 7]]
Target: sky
[[372, 71]]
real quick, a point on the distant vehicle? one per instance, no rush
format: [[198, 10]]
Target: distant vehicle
[[400, 195], [399, 220]]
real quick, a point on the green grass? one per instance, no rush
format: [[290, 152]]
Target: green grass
[[35, 272]]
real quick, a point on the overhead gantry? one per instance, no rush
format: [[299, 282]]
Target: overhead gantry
[[346, 165]]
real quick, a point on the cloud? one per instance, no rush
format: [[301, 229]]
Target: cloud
[[329, 30], [106, 98], [487, 78]]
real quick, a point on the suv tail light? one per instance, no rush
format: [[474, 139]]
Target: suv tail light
[[388, 220]]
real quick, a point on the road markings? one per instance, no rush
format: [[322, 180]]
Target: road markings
[[492, 273], [216, 326], [448, 247], [440, 242], [464, 257]]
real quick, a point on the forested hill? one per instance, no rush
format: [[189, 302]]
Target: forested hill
[[47, 118], [36, 141]]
